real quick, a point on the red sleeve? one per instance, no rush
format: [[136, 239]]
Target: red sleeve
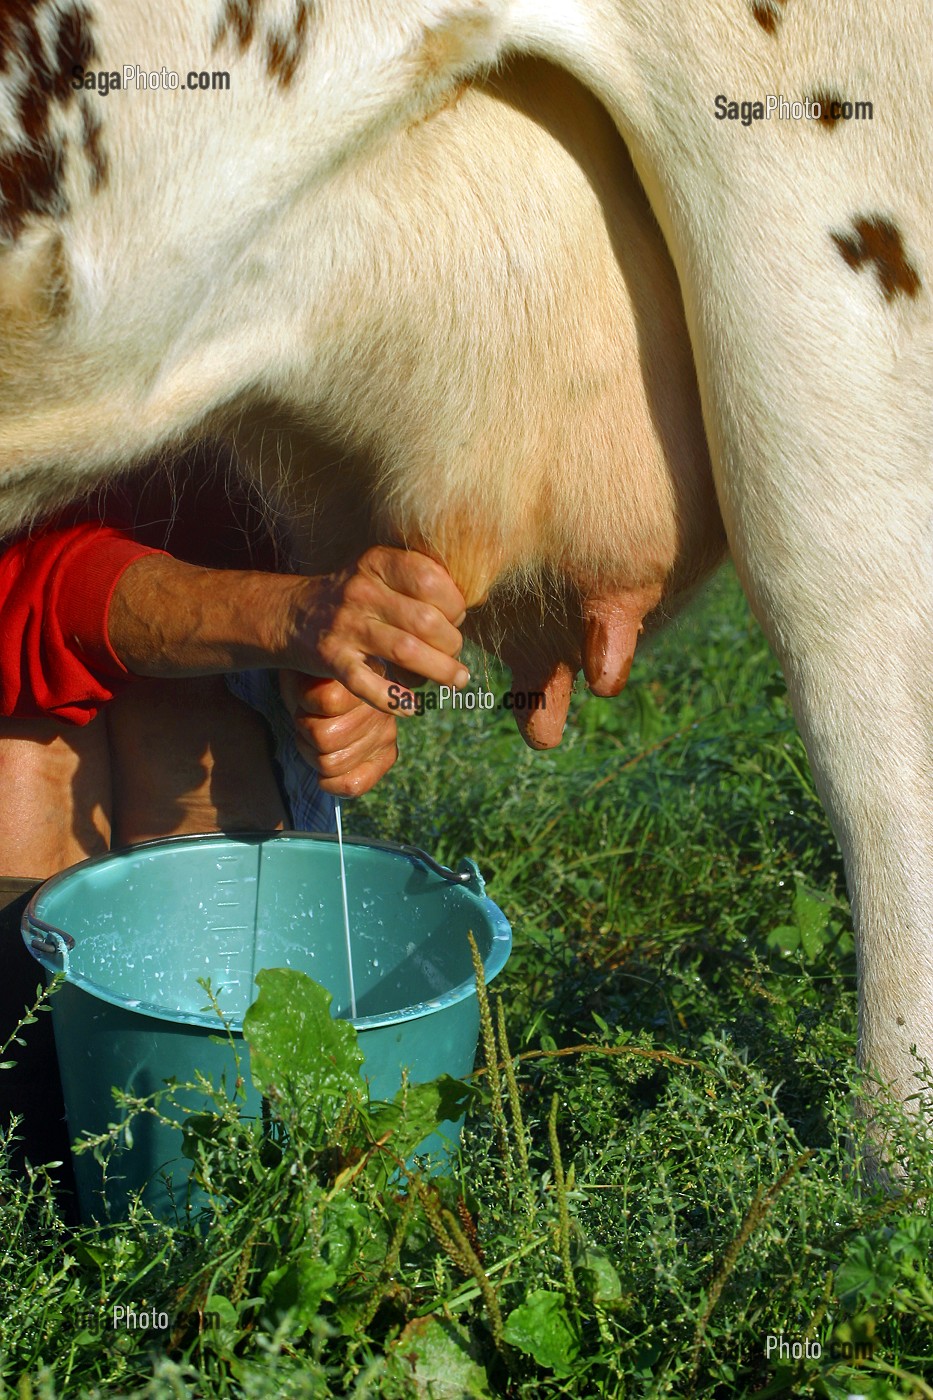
[[55, 589]]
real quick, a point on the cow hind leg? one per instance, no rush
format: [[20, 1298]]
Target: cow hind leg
[[858, 662], [830, 516]]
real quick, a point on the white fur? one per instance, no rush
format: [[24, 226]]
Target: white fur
[[231, 262]]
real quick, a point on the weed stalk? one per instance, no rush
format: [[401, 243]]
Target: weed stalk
[[389, 1265], [246, 1258], [518, 1122], [764, 1200], [560, 1186], [479, 1274], [453, 1241], [28, 1019], [489, 1054]]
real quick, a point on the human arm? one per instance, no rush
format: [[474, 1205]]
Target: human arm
[[171, 619]]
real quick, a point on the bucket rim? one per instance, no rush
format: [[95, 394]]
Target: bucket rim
[[468, 878]]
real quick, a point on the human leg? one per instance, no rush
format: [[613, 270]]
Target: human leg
[[54, 811], [188, 756]]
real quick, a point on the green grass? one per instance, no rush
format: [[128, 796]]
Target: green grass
[[631, 1217]]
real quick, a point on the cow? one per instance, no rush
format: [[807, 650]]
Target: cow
[[283, 266]]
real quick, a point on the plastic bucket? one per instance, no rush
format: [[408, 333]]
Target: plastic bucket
[[134, 930]]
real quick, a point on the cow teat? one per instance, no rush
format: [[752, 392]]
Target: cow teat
[[612, 622], [541, 702], [546, 637]]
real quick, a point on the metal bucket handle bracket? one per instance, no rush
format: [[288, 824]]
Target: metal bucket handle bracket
[[467, 873], [48, 942]]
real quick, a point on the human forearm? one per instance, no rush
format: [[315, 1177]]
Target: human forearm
[[171, 619]]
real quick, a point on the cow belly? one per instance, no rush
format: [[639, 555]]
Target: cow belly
[[503, 377]]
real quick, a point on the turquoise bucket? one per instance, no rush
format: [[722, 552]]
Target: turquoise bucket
[[133, 932]]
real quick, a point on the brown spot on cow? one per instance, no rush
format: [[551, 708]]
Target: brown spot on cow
[[285, 48], [284, 44], [30, 183], [767, 13], [73, 45], [96, 155], [238, 20], [36, 67], [877, 240], [827, 101]]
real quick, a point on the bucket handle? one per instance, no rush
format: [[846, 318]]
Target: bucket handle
[[466, 876], [47, 941]]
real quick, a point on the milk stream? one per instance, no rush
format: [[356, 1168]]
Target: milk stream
[[346, 911]]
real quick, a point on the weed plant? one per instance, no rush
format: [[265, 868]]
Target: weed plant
[[656, 1186]]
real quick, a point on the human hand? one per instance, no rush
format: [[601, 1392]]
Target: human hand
[[348, 743], [169, 619], [394, 604]]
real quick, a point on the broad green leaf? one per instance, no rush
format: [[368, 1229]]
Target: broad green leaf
[[299, 1285], [91, 1254], [911, 1242], [346, 1224], [786, 937], [434, 1355], [222, 1309], [314, 1268], [294, 1042], [812, 913], [603, 1282], [865, 1274], [419, 1109], [541, 1328], [200, 1128]]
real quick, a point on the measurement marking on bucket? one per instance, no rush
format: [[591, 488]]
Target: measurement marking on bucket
[[346, 911]]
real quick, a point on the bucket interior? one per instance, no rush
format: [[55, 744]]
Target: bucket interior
[[149, 921]]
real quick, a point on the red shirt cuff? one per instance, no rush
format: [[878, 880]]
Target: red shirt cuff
[[83, 610]]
